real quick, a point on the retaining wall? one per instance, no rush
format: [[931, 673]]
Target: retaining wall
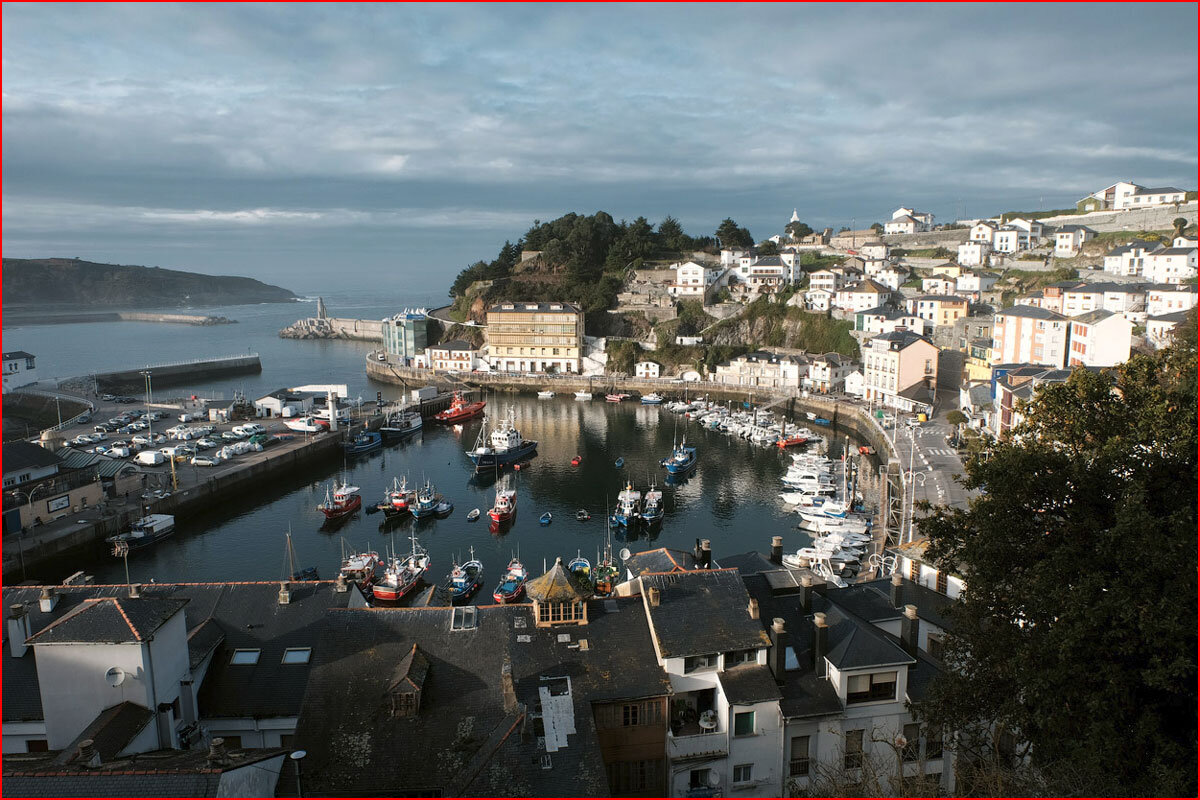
[[176, 374]]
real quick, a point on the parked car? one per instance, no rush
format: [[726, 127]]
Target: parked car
[[108, 398], [84, 419], [141, 438], [205, 461], [205, 444], [119, 452]]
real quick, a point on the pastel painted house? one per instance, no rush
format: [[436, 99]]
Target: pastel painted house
[[1030, 335], [1100, 339]]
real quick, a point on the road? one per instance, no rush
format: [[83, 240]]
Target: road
[[933, 458]]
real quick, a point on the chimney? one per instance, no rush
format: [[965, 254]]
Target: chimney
[[339, 585], [909, 627], [806, 592], [285, 593], [18, 630], [776, 549], [820, 643], [705, 554], [135, 590], [897, 591], [780, 639], [653, 596], [507, 689], [216, 752], [87, 753], [753, 608], [48, 600]]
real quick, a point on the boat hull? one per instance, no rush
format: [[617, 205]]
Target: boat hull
[[461, 414], [394, 434], [491, 460], [680, 467], [140, 542], [354, 504], [501, 516], [382, 591], [460, 596]]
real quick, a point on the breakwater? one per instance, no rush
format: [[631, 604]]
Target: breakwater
[[171, 374], [38, 318], [365, 330]]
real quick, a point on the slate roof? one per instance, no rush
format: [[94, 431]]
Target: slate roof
[[528, 306], [454, 345], [870, 287], [111, 732], [1073, 228], [768, 261], [223, 616], [664, 559], [1093, 316], [12, 355], [73, 459], [898, 340], [162, 773], [1158, 190], [1136, 244], [705, 611], [466, 741], [943, 298], [1176, 251], [749, 683], [1176, 316], [1031, 312], [749, 563], [23, 455], [111, 620], [885, 312]]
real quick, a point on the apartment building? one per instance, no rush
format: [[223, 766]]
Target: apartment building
[[938, 309], [1030, 335], [534, 337], [900, 370]]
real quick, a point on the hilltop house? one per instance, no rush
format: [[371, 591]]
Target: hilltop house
[[1069, 238], [1123, 195], [864, 295], [938, 309], [20, 369], [974, 254]]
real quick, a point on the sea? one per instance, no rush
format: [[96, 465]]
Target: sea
[[731, 498]]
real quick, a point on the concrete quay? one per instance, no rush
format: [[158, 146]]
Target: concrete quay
[[38, 318], [170, 374]]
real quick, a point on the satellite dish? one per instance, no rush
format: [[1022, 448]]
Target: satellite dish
[[624, 554], [714, 780], [115, 676]]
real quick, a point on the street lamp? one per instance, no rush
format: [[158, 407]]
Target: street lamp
[[149, 421], [916, 479]]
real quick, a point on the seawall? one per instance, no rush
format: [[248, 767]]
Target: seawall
[[366, 330], [173, 374], [37, 318]]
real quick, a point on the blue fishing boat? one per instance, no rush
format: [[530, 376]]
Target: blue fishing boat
[[465, 580], [427, 502], [620, 462], [581, 570], [444, 508], [545, 519], [652, 399], [629, 503], [652, 507], [512, 585], [365, 442], [682, 459], [503, 447]]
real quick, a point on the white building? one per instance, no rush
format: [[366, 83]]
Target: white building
[[1170, 265], [874, 251], [867, 294], [455, 355], [288, 402], [1017, 234], [20, 369], [1099, 339], [693, 280], [1069, 238], [763, 368], [826, 279], [892, 277], [922, 219], [1130, 258], [827, 373], [902, 224], [818, 299], [974, 254], [882, 319], [939, 284], [1030, 335], [1168, 298], [983, 231], [1161, 330], [1123, 195], [974, 283], [647, 369], [854, 383]]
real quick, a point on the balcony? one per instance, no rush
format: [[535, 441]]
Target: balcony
[[691, 742]]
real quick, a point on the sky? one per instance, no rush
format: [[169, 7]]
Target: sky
[[360, 146]]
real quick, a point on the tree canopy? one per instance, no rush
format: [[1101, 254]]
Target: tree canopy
[[1076, 633], [729, 234], [798, 230]]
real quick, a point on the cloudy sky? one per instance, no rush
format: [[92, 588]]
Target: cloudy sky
[[304, 144]]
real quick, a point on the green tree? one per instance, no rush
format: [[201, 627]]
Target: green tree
[[877, 227], [767, 248], [956, 417], [1180, 223], [730, 235], [672, 237], [1077, 631], [798, 230]]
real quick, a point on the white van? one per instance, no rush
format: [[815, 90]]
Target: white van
[[151, 458], [249, 429]]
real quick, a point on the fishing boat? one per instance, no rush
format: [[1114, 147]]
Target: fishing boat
[[652, 399], [629, 503], [606, 573], [582, 515], [503, 447], [364, 442], [620, 462], [145, 532], [583, 395], [512, 584], [401, 424], [504, 507], [682, 459], [580, 569], [545, 395], [359, 567], [398, 499], [402, 575], [465, 580], [444, 509], [427, 502], [345, 501], [305, 574], [545, 519], [473, 515], [652, 506], [576, 461], [460, 410]]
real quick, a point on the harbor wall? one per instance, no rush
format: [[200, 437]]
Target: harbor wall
[[175, 374], [37, 318], [365, 330]]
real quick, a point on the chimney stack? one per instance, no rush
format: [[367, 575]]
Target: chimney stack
[[48, 600], [780, 639], [820, 643], [285, 593], [18, 630], [806, 592], [753, 608], [135, 590], [507, 689], [910, 626], [705, 554], [777, 550], [87, 753], [652, 596], [216, 752], [897, 591]]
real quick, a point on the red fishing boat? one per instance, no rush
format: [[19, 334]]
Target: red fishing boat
[[791, 441], [576, 461], [512, 585], [345, 501], [401, 575], [460, 410], [505, 507]]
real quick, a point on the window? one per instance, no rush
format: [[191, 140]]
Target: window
[[798, 764], [698, 663], [740, 657], [37, 745], [698, 779], [297, 655], [854, 749], [914, 571], [244, 657], [912, 742], [742, 773], [463, 619], [743, 723], [631, 715], [871, 688], [941, 581], [935, 646]]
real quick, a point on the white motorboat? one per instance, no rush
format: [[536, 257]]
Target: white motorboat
[[834, 525], [583, 395], [545, 395]]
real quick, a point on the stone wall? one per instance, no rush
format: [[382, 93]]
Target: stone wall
[[1142, 219]]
